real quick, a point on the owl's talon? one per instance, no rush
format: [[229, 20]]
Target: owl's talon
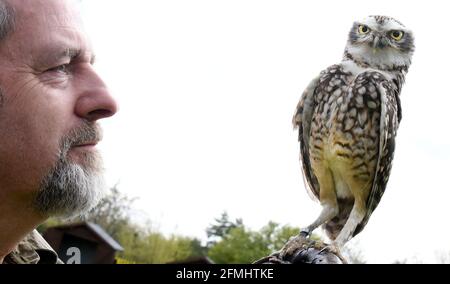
[[334, 250], [304, 233], [294, 244]]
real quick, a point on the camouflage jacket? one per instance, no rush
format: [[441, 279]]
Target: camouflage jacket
[[33, 250]]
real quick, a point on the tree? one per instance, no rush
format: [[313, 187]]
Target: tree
[[235, 243], [112, 213], [242, 245], [154, 247], [142, 244], [221, 228]]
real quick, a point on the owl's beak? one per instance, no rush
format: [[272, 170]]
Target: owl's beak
[[379, 42]]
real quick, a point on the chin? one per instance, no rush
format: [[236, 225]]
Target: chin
[[87, 157], [72, 188]]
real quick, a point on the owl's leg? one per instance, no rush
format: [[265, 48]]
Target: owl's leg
[[360, 190], [327, 196], [356, 216], [330, 209]]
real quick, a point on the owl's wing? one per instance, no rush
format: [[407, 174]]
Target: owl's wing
[[302, 120], [389, 120]]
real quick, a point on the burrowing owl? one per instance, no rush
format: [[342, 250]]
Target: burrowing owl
[[347, 119]]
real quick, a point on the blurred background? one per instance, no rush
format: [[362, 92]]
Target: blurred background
[[203, 138]]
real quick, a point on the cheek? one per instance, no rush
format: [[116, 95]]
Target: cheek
[[44, 130], [29, 147], [31, 128]]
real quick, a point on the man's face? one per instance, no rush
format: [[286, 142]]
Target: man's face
[[51, 99]]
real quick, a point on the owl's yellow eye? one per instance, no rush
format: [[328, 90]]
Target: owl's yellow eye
[[397, 35], [363, 29]]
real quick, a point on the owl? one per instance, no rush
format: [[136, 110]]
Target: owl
[[347, 121]]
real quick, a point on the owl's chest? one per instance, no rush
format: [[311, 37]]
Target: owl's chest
[[345, 101], [331, 99], [346, 114]]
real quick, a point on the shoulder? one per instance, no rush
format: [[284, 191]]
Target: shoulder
[[333, 69], [33, 249]]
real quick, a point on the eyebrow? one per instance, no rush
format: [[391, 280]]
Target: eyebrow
[[73, 53], [55, 54]]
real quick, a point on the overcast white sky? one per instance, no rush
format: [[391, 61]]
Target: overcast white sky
[[207, 91]]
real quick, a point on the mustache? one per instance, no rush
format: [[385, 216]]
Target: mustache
[[87, 133]]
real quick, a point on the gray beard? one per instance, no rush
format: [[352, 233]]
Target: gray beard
[[72, 189]]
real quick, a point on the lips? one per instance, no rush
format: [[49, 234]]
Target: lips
[[85, 144]]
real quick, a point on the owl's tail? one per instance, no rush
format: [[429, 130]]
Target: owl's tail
[[334, 226]]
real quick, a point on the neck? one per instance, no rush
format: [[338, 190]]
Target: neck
[[16, 222], [403, 68], [397, 72]]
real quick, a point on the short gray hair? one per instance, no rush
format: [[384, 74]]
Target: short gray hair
[[7, 19]]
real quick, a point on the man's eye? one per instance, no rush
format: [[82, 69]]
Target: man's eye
[[64, 69]]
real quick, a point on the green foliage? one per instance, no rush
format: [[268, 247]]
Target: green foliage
[[112, 213], [154, 247], [239, 246], [141, 244], [242, 245], [221, 228], [276, 236], [198, 249]]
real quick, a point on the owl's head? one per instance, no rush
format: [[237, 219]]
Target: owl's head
[[380, 42]]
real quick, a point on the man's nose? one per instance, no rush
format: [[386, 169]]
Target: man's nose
[[94, 101]]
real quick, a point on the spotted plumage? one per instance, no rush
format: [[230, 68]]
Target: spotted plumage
[[347, 119]]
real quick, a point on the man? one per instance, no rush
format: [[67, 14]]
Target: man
[[50, 101]]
